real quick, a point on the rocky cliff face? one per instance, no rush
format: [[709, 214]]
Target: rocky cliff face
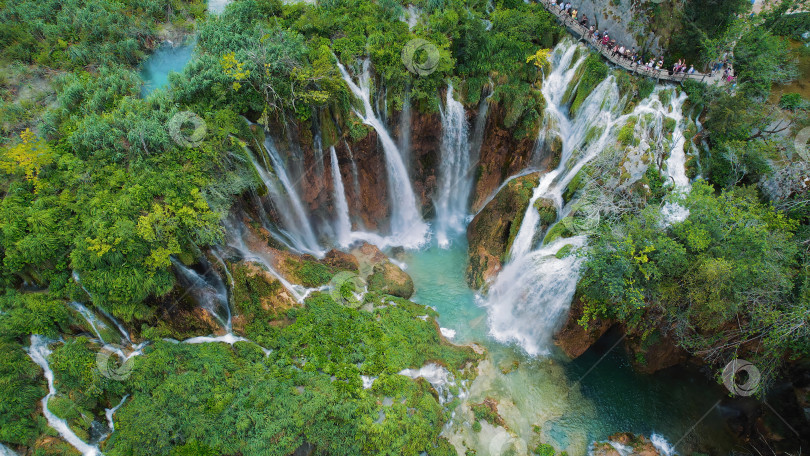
[[491, 232], [501, 156]]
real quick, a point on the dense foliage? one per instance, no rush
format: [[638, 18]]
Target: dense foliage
[[99, 198]]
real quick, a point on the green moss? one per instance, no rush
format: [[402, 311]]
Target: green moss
[[310, 273], [559, 230], [544, 449], [487, 411], [627, 134], [665, 96], [645, 88], [547, 211], [564, 251], [576, 183], [594, 71], [669, 125]]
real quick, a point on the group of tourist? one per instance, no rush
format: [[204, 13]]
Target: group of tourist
[[616, 50], [724, 64]]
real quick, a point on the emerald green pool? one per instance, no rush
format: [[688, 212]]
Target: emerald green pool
[[547, 391], [165, 60]]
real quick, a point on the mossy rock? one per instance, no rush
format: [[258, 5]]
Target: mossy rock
[[560, 230], [309, 272], [547, 210], [577, 182], [493, 230], [564, 251], [388, 278], [692, 168], [544, 449], [555, 149], [669, 125], [593, 71]]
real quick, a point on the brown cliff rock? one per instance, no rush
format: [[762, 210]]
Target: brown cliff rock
[[573, 338], [491, 232]]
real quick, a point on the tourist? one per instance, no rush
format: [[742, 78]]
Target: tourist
[[584, 21], [691, 69], [574, 14]]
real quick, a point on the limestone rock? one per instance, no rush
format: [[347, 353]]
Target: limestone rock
[[492, 231]]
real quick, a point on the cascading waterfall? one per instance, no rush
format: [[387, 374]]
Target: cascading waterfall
[[455, 178], [39, 352], [318, 148], [96, 324], [297, 228], [532, 293], [343, 225], [407, 227], [405, 129], [207, 290], [237, 242], [355, 173], [106, 314]]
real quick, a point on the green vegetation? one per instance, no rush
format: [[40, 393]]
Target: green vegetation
[[308, 389], [544, 449], [593, 71], [730, 273]]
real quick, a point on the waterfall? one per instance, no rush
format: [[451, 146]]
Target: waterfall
[[296, 227], [405, 129], [318, 146], [207, 290], [39, 352], [85, 312], [96, 324], [355, 173], [6, 451], [343, 226], [111, 411], [236, 240], [532, 293], [455, 173], [407, 227]]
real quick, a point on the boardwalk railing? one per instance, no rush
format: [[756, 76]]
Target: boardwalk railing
[[581, 32]]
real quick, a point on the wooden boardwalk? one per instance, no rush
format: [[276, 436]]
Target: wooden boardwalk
[[579, 31]]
